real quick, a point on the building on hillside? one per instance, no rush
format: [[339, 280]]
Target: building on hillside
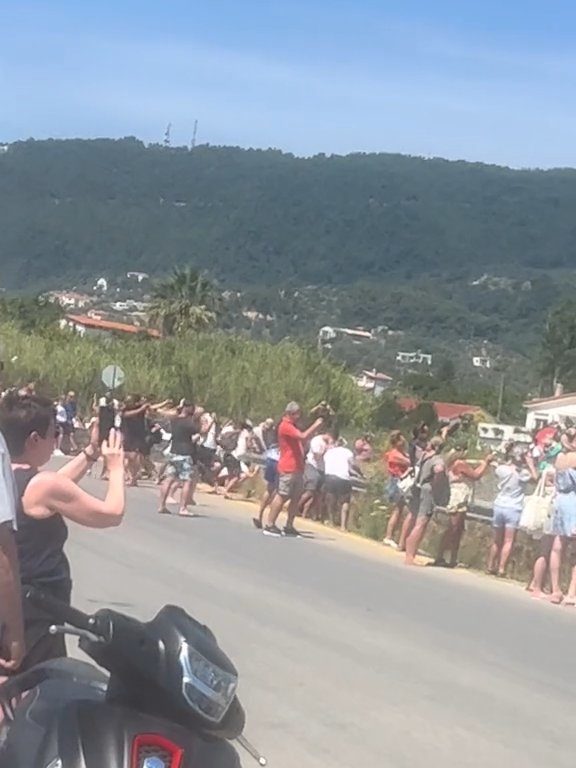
[[4, 148], [406, 358], [139, 276], [327, 335], [70, 299], [551, 410], [481, 362], [101, 285], [495, 436], [373, 382], [445, 412], [85, 325]]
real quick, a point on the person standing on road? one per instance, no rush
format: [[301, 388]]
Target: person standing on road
[[463, 477], [71, 407], [46, 500], [291, 441], [564, 524], [181, 466], [271, 478], [11, 621], [398, 466], [134, 431], [314, 473], [513, 476], [434, 490], [339, 463], [61, 426]]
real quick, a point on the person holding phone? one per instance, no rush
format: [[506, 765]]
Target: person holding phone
[[45, 502]]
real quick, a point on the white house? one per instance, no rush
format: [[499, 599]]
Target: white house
[[413, 357], [327, 334], [481, 362], [373, 382], [550, 410], [495, 436]]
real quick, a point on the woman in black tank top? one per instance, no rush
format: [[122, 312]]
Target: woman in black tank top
[[46, 500]]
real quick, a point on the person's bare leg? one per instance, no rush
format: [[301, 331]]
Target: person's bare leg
[[265, 501], [165, 489], [306, 503], [345, 515], [292, 511], [407, 527], [392, 523], [331, 508], [495, 549], [231, 485], [446, 540], [458, 528], [507, 547], [571, 594], [538, 575], [555, 564], [275, 509], [186, 497], [413, 541]]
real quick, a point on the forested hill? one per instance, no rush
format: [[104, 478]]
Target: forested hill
[[79, 208]]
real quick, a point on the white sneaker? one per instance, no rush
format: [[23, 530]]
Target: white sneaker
[[57, 453], [390, 543]]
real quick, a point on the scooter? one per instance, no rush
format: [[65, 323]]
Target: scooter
[[168, 700]]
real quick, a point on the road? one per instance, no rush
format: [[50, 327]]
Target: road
[[346, 657]]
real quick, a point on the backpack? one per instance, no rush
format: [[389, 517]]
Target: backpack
[[438, 481], [228, 441]]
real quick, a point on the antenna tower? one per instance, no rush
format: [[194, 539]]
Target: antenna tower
[[195, 134], [167, 135]]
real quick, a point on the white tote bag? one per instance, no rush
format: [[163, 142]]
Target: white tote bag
[[538, 509]]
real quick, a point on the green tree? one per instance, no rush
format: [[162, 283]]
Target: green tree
[[30, 314], [559, 344], [184, 303]]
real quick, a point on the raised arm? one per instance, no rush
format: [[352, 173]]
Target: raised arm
[[52, 493], [135, 411], [311, 429], [477, 472]]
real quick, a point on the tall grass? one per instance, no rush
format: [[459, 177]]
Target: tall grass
[[231, 375]]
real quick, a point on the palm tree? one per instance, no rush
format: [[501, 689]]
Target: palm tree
[[184, 303]]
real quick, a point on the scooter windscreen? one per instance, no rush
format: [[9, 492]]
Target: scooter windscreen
[[170, 666], [208, 679]]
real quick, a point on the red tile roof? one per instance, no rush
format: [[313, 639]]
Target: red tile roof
[[110, 325], [444, 411]]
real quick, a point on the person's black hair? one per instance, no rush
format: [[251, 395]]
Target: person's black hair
[[21, 416]]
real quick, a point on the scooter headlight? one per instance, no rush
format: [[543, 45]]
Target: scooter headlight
[[208, 689]]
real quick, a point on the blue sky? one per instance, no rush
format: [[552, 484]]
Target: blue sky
[[490, 81]]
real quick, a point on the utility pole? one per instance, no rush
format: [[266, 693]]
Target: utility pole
[[194, 135], [501, 397]]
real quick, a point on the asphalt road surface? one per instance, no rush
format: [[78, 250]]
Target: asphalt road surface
[[346, 657]]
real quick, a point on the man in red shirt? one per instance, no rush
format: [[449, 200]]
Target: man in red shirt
[[290, 469]]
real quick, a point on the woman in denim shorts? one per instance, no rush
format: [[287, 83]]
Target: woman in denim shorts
[[513, 477]]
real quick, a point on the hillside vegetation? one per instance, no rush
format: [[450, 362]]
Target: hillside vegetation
[[388, 239]]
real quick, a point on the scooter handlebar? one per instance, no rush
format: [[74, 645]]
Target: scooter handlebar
[[58, 610]]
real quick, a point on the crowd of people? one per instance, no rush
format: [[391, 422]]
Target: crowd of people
[[309, 471], [425, 475]]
